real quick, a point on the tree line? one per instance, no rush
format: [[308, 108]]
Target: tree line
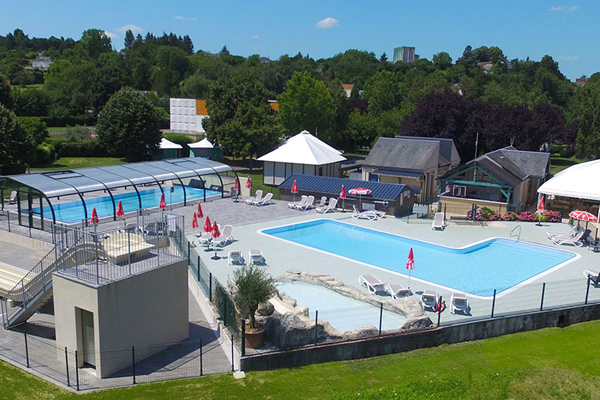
[[524, 102]]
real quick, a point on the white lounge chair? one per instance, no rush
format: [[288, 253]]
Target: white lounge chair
[[322, 202], [255, 256], [264, 200], [459, 303], [593, 275], [235, 257], [578, 240], [331, 207], [226, 236], [302, 200], [204, 238], [257, 197], [438, 221], [370, 215], [571, 233], [370, 282], [13, 197], [396, 291], [309, 204], [429, 298]]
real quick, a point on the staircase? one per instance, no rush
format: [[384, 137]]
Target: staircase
[[35, 289]]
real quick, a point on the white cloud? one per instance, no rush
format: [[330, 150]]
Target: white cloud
[[181, 18], [130, 27], [110, 34], [327, 23], [569, 58], [562, 9], [255, 37]]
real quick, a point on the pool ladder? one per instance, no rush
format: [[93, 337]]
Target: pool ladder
[[518, 234]]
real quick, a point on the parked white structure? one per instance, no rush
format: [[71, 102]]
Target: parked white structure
[[187, 115]]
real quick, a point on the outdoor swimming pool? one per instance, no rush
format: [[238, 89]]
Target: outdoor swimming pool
[[74, 212], [342, 312], [478, 269]]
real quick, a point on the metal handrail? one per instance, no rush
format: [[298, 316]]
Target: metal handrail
[[518, 235]]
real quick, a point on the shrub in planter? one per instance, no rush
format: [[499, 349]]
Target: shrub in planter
[[253, 287]]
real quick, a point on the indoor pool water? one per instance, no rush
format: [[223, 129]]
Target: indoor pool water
[[342, 312], [73, 211], [478, 269]]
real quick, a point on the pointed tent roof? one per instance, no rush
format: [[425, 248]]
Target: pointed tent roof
[[304, 148], [167, 144], [203, 144], [579, 181]]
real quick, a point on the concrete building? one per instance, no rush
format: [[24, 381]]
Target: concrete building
[[187, 115], [405, 54]]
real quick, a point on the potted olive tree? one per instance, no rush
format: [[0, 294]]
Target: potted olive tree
[[254, 286]]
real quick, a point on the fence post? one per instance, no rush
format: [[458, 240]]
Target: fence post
[[76, 371], [380, 316], [587, 290], [224, 309], [200, 357], [493, 303], [209, 287], [67, 365], [316, 327], [26, 349], [189, 252], [243, 344], [543, 291], [198, 269], [232, 359], [133, 363]]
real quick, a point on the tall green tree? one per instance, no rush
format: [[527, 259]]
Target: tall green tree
[[307, 105], [588, 105], [129, 126], [383, 92], [95, 42], [16, 145]]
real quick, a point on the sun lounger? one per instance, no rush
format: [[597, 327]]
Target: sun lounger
[[226, 236], [257, 197], [369, 214], [370, 282], [13, 197], [438, 221], [264, 200], [459, 303], [302, 200], [592, 274], [396, 291], [429, 298], [255, 256], [322, 202], [235, 257], [571, 233], [578, 240], [331, 207], [309, 204]]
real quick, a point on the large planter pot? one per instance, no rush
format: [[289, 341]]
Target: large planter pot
[[254, 338]]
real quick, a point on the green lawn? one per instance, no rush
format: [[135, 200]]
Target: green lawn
[[79, 162], [559, 163], [556, 363]]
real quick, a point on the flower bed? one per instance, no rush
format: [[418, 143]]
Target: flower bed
[[486, 214]]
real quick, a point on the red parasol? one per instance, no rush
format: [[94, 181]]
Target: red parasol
[[249, 183], [236, 185], [120, 211], [199, 212], [343, 193], [294, 189], [360, 191], [583, 216], [162, 205], [215, 230], [194, 222], [410, 264], [207, 227], [94, 219], [542, 204]]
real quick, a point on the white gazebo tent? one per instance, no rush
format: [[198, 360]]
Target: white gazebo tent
[[203, 148], [580, 181], [301, 154], [169, 149]]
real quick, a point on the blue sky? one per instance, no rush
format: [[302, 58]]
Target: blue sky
[[322, 29]]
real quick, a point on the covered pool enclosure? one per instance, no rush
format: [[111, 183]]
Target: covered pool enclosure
[[69, 196]]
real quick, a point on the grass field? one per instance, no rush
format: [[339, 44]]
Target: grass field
[[558, 163], [79, 162], [556, 363]]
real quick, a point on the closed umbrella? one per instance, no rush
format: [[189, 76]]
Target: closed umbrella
[[236, 188], [194, 222], [215, 233], [162, 205], [410, 264], [294, 189], [199, 213], [343, 197], [208, 229], [540, 210], [94, 220], [249, 183], [120, 211]]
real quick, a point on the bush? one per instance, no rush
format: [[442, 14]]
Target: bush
[[77, 148], [567, 151], [181, 140], [44, 153], [486, 214]]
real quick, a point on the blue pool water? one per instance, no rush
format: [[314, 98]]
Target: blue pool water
[[74, 212], [478, 269], [342, 312]]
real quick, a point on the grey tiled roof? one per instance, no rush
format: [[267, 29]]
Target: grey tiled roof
[[416, 155]]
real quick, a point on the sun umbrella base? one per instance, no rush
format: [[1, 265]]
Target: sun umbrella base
[[215, 257]]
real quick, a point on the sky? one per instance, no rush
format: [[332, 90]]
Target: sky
[[322, 29]]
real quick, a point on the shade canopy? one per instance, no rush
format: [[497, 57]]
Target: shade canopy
[[167, 144], [304, 148], [203, 144], [580, 181]]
